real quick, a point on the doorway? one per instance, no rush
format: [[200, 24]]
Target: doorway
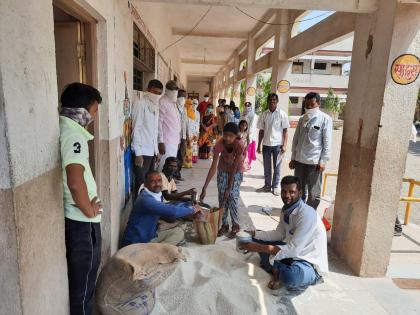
[[75, 52]]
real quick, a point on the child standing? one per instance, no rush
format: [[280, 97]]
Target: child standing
[[228, 161], [244, 137]]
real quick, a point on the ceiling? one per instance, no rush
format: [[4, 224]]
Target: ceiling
[[215, 39]]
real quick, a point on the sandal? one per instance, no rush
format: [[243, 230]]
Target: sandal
[[235, 229], [223, 230]]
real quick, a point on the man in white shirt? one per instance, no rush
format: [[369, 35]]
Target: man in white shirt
[[298, 246], [311, 148], [273, 124], [170, 128], [145, 132]]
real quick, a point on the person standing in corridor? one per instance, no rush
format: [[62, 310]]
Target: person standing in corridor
[[180, 103], [82, 208], [170, 128], [145, 132], [273, 124], [311, 149]]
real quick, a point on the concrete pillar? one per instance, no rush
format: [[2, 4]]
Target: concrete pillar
[[251, 89], [281, 67], [33, 264], [377, 125], [236, 93], [251, 77]]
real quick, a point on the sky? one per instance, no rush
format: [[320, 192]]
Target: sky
[[307, 24]]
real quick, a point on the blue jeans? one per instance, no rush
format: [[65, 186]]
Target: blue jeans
[[294, 274], [271, 153]]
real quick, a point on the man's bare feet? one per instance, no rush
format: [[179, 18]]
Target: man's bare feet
[[274, 283]]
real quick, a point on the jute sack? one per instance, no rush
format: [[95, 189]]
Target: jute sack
[[127, 282], [207, 225]]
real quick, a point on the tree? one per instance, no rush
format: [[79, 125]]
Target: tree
[[332, 103], [243, 96], [263, 89]]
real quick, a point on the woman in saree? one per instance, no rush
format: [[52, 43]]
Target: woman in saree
[[207, 133], [193, 128]]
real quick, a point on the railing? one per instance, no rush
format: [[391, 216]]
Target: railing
[[409, 199]]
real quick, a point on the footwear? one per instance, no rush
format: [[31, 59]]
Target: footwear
[[235, 229], [223, 230], [276, 191], [263, 189]]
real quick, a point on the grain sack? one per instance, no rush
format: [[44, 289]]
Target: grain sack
[[127, 283], [207, 225]]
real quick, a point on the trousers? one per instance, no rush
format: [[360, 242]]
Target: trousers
[[294, 274], [83, 251], [272, 179], [174, 236], [141, 171], [311, 180]]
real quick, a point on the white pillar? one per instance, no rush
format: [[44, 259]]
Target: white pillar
[[251, 77], [378, 119], [281, 67]]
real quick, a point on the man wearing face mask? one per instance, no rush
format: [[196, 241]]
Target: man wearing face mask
[[180, 103], [145, 132], [203, 105], [142, 226], [311, 149], [82, 208], [170, 127]]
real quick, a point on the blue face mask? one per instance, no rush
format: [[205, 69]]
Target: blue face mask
[[237, 114], [209, 110]]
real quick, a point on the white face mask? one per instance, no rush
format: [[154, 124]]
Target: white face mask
[[172, 95], [311, 111], [154, 98], [206, 99], [180, 101], [156, 196]]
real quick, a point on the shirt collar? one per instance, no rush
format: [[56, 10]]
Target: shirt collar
[[74, 125]]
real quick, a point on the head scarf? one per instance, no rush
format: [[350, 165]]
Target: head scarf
[[190, 109], [79, 115]]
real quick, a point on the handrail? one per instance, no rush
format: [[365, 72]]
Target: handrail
[[409, 199]]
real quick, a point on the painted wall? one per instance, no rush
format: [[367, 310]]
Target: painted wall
[[157, 19], [200, 87], [33, 264]]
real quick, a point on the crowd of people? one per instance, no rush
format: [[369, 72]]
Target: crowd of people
[[170, 132]]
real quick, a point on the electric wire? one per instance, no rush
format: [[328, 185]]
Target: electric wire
[[190, 31], [291, 23]]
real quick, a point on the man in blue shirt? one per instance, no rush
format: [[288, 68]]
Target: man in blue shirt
[[142, 226]]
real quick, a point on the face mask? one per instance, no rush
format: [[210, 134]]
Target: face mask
[[206, 99], [237, 114], [154, 98], [172, 95], [79, 115], [209, 110], [156, 196], [311, 111], [180, 101]]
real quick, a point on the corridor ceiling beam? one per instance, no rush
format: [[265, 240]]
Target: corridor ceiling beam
[[333, 28], [202, 62], [357, 6], [225, 34]]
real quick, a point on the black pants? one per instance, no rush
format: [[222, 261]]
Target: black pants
[[311, 180], [83, 246], [141, 171], [181, 156]]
